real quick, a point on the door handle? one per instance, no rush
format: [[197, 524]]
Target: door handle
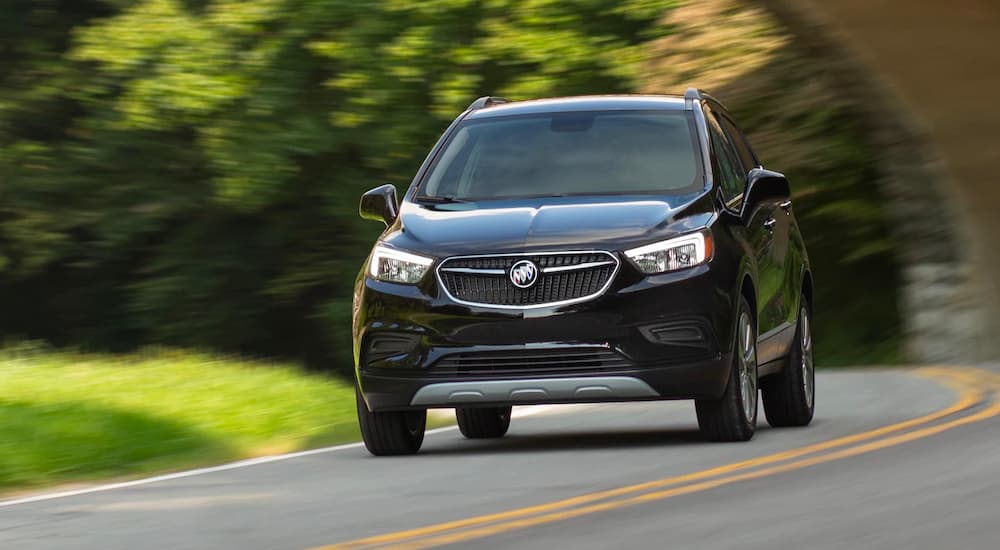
[[769, 224], [786, 205]]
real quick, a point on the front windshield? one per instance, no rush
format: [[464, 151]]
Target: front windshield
[[574, 153]]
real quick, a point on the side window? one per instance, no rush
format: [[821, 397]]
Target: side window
[[747, 158], [727, 167]]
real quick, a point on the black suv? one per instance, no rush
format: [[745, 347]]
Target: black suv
[[584, 249]]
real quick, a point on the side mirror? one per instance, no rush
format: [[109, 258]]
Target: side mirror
[[380, 204], [764, 186]]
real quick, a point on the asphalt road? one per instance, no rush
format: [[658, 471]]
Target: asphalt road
[[894, 459]]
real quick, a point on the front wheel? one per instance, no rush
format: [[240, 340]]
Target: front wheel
[[790, 396], [391, 432], [483, 422], [733, 417]]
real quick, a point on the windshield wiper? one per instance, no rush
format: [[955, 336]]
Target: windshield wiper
[[447, 199]]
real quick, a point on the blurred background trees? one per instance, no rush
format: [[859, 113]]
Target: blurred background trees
[[186, 172]]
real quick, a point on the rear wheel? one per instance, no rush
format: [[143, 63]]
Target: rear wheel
[[391, 432], [483, 422], [790, 396], [733, 417]]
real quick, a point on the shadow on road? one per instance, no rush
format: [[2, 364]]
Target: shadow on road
[[569, 441], [589, 440]]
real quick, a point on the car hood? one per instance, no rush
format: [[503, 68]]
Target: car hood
[[551, 223]]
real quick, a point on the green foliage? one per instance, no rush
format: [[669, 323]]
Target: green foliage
[[187, 172], [68, 416]]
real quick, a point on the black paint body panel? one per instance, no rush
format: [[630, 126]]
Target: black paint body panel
[[699, 300]]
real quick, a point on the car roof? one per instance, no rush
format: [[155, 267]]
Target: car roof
[[581, 103]]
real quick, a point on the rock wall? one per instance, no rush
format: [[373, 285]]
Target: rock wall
[[947, 307]]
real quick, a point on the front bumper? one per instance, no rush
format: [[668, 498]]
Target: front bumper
[[658, 337], [697, 380]]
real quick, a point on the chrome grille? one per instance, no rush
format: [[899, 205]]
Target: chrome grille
[[564, 277]]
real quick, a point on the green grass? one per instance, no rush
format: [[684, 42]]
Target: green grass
[[69, 416]]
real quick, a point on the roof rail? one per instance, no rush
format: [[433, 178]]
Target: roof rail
[[690, 96], [487, 101]]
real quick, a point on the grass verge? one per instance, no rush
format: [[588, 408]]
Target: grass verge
[[70, 417]]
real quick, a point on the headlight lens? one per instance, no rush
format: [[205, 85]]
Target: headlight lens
[[670, 255], [388, 264]]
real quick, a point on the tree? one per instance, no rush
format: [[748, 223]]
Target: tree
[[187, 172]]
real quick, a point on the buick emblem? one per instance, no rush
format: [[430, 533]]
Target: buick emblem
[[524, 273]]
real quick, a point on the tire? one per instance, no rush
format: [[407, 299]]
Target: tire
[[790, 396], [392, 432], [483, 422], [733, 417]]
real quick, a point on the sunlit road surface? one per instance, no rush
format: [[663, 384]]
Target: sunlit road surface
[[895, 459]]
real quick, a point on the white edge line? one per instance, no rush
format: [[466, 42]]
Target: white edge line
[[530, 411], [191, 473]]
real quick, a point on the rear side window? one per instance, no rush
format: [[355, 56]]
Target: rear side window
[[574, 153], [726, 164]]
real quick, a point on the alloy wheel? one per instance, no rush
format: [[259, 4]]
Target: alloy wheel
[[808, 366], [748, 367]]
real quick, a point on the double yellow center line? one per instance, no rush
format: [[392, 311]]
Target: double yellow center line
[[972, 387]]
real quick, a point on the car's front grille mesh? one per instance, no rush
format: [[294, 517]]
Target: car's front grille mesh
[[542, 260], [531, 362], [486, 280]]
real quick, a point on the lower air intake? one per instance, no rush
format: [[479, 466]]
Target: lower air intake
[[531, 362]]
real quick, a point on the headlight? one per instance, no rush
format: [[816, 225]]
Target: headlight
[[388, 264], [677, 253]]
